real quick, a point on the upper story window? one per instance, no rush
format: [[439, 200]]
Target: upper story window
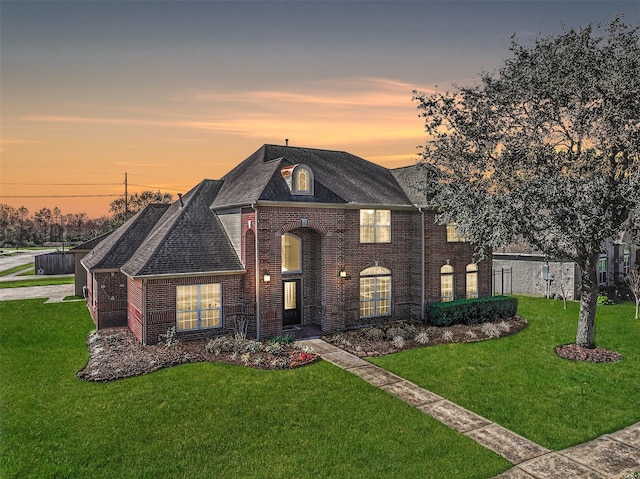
[[299, 179], [453, 236], [302, 180], [291, 253], [375, 226]]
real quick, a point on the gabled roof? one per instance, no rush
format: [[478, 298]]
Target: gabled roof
[[340, 177], [119, 246], [189, 238]]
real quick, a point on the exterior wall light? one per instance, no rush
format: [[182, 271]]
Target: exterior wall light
[[266, 277], [343, 273]]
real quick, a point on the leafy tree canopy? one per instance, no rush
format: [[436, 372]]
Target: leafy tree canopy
[[546, 149], [123, 210]]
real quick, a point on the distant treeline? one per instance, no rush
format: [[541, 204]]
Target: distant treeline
[[20, 227]]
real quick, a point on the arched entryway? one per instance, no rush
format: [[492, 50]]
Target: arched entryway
[[302, 273]]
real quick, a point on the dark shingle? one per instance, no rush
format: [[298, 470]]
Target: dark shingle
[[92, 243], [339, 177], [119, 246], [187, 239], [411, 179]]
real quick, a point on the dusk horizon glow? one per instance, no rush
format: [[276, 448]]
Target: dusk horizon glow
[[178, 91]]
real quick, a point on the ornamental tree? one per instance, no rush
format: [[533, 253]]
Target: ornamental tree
[[633, 281], [545, 149]]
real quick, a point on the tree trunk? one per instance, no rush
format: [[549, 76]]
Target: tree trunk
[[586, 336], [637, 307]]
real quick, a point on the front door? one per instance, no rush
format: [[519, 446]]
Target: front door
[[291, 302]]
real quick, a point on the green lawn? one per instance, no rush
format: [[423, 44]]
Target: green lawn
[[15, 269], [38, 281], [204, 420], [520, 383]]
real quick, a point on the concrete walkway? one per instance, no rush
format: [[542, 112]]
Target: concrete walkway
[[610, 456]]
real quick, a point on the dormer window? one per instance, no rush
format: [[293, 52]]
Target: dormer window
[[299, 179]]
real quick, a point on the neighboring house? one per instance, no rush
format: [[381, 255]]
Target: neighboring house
[[290, 238], [527, 271]]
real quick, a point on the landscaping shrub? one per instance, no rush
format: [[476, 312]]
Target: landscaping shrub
[[472, 311]]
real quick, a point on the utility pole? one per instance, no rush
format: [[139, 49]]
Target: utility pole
[[126, 196]]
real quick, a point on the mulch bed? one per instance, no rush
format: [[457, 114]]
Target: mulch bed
[[363, 343], [115, 353], [590, 355]]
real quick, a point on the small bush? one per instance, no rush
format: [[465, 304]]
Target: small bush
[[274, 348], [490, 330], [447, 335], [472, 311], [283, 340], [170, 338], [374, 334], [422, 337], [398, 342]]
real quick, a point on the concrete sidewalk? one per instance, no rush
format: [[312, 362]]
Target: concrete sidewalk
[[53, 294], [611, 456]]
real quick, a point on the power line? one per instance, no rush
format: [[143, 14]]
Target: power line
[[61, 196], [62, 184]]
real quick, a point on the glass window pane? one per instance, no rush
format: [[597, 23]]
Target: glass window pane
[[383, 234], [302, 180], [188, 320], [367, 217], [290, 295], [210, 318], [291, 252], [383, 217], [367, 234]]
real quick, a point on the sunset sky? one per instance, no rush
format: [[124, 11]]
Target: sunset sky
[[173, 92]]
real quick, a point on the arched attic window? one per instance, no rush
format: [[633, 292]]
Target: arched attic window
[[299, 179]]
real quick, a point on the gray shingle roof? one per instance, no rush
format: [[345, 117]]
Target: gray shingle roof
[[340, 177], [409, 178], [187, 239], [119, 246], [92, 243]]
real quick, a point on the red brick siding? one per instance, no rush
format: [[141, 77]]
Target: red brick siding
[[134, 313], [459, 254], [110, 292], [161, 306]]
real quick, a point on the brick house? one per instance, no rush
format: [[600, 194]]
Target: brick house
[[521, 269], [292, 239]]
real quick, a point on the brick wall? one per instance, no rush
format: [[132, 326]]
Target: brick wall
[[161, 306], [107, 299]]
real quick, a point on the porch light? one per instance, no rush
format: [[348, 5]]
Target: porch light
[[266, 277], [343, 273]]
